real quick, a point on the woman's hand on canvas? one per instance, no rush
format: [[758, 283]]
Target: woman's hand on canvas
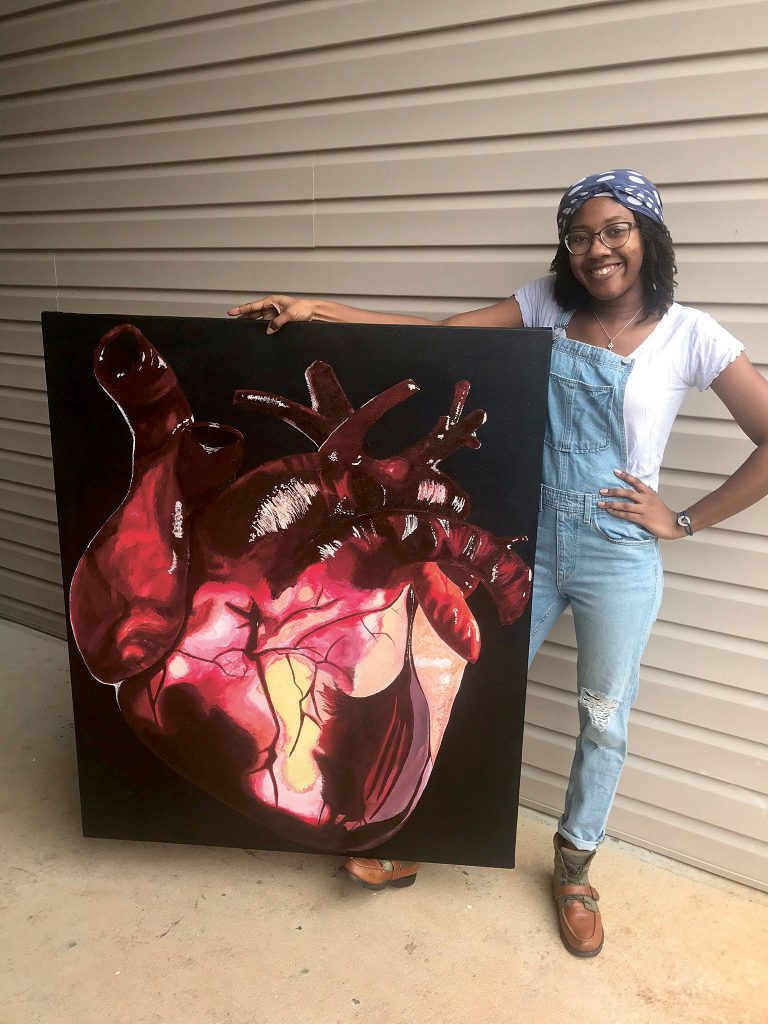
[[277, 309], [638, 503]]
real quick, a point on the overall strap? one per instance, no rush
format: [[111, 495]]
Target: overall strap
[[563, 319]]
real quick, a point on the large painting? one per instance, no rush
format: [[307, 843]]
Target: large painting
[[298, 571]]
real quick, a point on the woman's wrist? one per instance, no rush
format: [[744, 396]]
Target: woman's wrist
[[684, 524], [321, 310]]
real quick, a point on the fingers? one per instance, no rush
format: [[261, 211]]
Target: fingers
[[277, 321], [259, 309], [620, 509], [617, 492], [248, 309], [632, 481]]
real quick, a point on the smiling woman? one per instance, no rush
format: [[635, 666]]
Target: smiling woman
[[624, 356]]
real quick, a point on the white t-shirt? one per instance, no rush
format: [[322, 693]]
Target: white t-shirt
[[686, 349]]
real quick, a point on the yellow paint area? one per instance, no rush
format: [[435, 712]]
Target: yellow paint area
[[288, 682]]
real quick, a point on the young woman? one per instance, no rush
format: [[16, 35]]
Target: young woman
[[624, 356]]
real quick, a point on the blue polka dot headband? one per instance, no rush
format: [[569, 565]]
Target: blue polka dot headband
[[632, 190]]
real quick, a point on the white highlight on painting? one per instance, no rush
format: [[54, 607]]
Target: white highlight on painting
[[329, 550], [177, 526], [283, 506], [411, 522], [431, 491], [267, 400]]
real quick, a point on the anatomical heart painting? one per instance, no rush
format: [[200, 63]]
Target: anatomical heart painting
[[298, 572]]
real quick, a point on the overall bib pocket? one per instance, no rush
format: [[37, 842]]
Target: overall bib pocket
[[578, 415]]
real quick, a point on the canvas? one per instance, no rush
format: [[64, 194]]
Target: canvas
[[298, 572]]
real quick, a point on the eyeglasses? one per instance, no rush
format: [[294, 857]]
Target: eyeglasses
[[613, 236]]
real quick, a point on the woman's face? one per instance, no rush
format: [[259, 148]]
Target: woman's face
[[608, 274]]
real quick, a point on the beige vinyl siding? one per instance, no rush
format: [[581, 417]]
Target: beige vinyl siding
[[174, 158]]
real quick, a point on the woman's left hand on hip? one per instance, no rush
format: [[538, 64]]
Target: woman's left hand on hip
[[641, 504]]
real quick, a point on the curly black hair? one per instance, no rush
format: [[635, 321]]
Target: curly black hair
[[658, 271]]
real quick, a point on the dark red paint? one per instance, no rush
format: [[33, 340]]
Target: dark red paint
[[291, 640]]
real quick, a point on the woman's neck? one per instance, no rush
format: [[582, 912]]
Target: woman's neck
[[621, 308]]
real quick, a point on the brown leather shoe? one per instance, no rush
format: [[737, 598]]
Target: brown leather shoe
[[581, 927], [379, 874]]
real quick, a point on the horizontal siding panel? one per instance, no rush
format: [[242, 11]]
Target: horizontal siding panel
[[681, 489], [28, 562], [24, 405], [28, 438], [243, 37], [480, 55], [450, 221], [705, 277], [32, 615], [26, 469], [266, 181], [217, 228], [716, 448], [706, 404], [25, 305], [725, 151], [31, 532], [695, 651], [23, 372], [9, 8], [323, 273], [196, 303], [128, 304], [669, 154], [747, 323], [729, 558], [20, 270], [469, 275], [28, 501], [674, 835], [21, 339], [701, 751], [606, 101], [672, 789], [738, 611], [33, 30], [20, 587], [668, 694]]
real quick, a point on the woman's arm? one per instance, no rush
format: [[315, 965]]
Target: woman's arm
[[745, 394], [280, 309]]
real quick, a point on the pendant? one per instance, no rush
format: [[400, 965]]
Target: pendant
[[609, 346]]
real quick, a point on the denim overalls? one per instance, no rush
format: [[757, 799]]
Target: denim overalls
[[608, 570]]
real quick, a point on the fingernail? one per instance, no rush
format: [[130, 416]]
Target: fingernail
[[603, 490], [618, 472], [270, 329], [601, 504]]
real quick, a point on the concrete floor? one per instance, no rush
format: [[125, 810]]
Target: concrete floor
[[128, 933]]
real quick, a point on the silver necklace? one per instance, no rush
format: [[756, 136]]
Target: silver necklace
[[611, 340]]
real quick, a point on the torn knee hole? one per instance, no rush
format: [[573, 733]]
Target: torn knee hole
[[599, 708]]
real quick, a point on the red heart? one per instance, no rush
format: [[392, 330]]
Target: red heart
[[291, 641]]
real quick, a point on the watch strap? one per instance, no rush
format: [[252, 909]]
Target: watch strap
[[684, 520]]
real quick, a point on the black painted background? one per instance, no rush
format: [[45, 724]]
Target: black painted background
[[468, 813]]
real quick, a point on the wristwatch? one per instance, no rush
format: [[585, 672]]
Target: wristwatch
[[684, 520]]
